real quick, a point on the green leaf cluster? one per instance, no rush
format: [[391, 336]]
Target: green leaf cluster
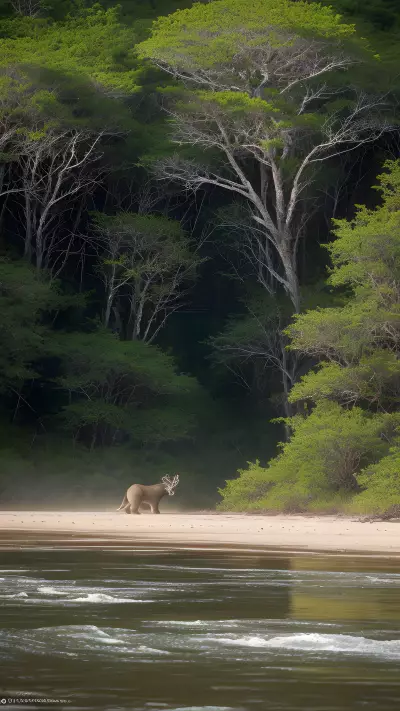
[[318, 468], [381, 484], [94, 46], [208, 35], [124, 389]]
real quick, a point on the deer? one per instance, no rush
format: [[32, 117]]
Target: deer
[[138, 494]]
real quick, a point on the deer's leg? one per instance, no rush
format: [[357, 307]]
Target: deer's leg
[[135, 502]]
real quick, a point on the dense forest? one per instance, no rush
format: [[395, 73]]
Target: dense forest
[[200, 252]]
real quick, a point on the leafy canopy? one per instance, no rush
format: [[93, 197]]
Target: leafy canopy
[[207, 35], [93, 45]]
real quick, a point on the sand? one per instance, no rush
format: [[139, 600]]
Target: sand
[[332, 534]]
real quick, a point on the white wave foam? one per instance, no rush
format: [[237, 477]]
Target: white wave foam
[[78, 629], [314, 642], [104, 637], [50, 591], [101, 597], [86, 637], [110, 640], [90, 633], [150, 650], [13, 597]]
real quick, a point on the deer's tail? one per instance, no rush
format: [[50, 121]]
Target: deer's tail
[[124, 503]]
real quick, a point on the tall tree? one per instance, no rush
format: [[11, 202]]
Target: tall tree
[[268, 97]]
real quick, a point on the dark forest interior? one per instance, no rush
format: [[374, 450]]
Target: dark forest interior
[[151, 315]]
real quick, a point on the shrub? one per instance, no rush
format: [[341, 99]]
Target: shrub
[[381, 482], [319, 466]]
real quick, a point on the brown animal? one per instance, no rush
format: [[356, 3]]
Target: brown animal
[[138, 494]]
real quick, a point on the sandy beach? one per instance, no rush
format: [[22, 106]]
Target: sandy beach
[[295, 533]]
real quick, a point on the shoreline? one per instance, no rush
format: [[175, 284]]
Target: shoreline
[[289, 533]]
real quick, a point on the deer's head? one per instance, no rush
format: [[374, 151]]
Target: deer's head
[[170, 484]]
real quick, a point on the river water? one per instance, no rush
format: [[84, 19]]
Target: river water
[[103, 624]]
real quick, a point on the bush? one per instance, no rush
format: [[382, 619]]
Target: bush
[[318, 468], [381, 483]]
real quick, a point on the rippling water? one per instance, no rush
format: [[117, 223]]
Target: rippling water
[[119, 627]]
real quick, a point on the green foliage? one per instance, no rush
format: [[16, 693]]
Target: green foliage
[[72, 75], [174, 422], [318, 467], [249, 331], [203, 35], [253, 345], [360, 338], [366, 253], [159, 243], [94, 45], [119, 390], [233, 48], [25, 299], [375, 381], [339, 333], [336, 451], [381, 483]]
